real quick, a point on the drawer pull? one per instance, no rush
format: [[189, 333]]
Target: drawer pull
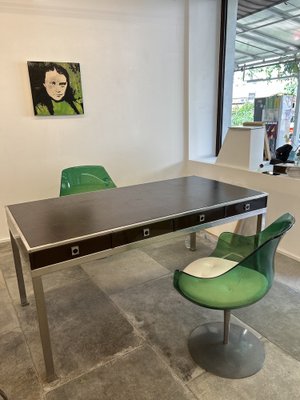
[[75, 251], [247, 207], [146, 232], [201, 217]]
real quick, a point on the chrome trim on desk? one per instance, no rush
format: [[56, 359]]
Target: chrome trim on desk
[[137, 224], [15, 230], [141, 243]]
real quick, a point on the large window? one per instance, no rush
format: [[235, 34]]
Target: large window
[[266, 67]]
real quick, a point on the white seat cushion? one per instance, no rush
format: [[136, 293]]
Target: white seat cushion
[[209, 267]]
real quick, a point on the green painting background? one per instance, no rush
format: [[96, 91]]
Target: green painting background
[[36, 74]]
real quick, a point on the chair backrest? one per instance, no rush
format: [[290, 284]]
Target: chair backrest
[[257, 254], [279, 227], [84, 178], [264, 244], [235, 247], [262, 258]]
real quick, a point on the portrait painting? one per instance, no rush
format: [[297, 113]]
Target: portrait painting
[[55, 88]]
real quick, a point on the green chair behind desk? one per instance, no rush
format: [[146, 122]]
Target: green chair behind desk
[[239, 272], [84, 178]]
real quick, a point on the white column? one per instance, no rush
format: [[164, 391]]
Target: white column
[[229, 64]]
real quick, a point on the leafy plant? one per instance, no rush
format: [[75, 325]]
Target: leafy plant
[[242, 113], [280, 72]]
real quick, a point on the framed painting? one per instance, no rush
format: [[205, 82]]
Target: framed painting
[[55, 88]]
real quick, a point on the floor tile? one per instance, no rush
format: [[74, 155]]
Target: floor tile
[[18, 378], [119, 330], [281, 306], [121, 271], [6, 259], [140, 375], [165, 319], [277, 380], [51, 281], [8, 318], [287, 271], [174, 254], [85, 328]]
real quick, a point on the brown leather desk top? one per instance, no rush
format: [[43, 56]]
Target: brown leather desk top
[[60, 219], [53, 231]]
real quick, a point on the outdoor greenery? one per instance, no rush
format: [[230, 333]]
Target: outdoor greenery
[[279, 72], [290, 70], [242, 113]]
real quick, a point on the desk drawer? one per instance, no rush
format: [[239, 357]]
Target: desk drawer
[[141, 233], [198, 218], [69, 251], [246, 206]]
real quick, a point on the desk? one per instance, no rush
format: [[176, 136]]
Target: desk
[[65, 231]]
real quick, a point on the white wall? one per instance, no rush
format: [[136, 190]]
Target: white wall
[[229, 64], [203, 76], [284, 196], [134, 68]]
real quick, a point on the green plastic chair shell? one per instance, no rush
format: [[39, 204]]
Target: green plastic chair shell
[[249, 280], [84, 178], [224, 349]]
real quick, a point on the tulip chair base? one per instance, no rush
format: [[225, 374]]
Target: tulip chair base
[[242, 356]]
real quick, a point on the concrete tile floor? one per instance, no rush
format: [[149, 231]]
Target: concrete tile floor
[[119, 331]]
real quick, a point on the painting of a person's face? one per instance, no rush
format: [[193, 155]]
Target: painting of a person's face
[[55, 88], [55, 85]]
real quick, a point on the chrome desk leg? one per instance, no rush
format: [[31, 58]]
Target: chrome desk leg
[[261, 220], [43, 327], [19, 271], [193, 241]]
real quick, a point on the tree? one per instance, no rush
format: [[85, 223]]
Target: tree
[[291, 87], [280, 72], [243, 113]]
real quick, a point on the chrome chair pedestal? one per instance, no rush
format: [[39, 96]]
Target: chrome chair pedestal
[[242, 356]]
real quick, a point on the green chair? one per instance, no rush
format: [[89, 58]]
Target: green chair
[[84, 178], [239, 272]]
